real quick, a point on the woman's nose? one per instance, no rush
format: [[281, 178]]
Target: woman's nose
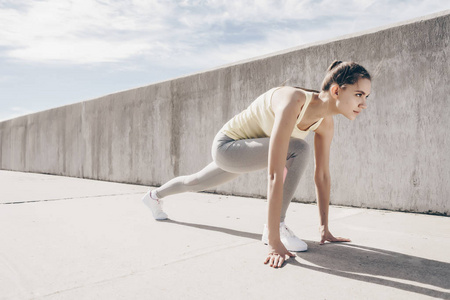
[[363, 105]]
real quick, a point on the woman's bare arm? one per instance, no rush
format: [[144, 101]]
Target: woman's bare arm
[[322, 144], [286, 104]]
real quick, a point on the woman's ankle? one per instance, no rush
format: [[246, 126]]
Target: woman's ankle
[[154, 195]]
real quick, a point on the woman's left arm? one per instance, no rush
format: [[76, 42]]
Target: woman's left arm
[[322, 143]]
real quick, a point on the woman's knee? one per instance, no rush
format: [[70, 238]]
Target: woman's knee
[[221, 158], [224, 165], [190, 180]]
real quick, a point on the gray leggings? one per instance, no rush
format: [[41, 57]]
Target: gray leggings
[[232, 158]]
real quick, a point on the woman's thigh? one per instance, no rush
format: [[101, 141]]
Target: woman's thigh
[[240, 156]]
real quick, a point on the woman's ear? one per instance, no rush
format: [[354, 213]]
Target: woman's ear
[[334, 90]]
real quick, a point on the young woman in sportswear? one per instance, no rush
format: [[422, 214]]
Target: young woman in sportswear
[[270, 134]]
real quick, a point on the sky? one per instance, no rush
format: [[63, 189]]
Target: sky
[[58, 52]]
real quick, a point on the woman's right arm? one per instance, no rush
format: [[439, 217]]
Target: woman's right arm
[[286, 106]]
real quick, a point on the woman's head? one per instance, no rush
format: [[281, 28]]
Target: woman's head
[[343, 73], [349, 84]]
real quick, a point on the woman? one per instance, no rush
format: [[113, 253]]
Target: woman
[[270, 134]]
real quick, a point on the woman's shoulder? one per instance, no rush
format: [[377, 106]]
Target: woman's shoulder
[[287, 98], [287, 94]]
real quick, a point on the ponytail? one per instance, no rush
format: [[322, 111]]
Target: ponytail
[[334, 64]]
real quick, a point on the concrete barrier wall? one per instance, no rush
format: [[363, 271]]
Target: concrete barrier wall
[[394, 156]]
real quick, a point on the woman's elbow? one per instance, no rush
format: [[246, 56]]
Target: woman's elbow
[[274, 177], [322, 177]]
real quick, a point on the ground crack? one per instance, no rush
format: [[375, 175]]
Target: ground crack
[[69, 198]]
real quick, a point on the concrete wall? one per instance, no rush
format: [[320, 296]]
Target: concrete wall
[[394, 156]]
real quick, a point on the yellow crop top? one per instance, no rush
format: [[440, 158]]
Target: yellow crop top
[[257, 120]]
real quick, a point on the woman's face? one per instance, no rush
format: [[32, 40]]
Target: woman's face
[[351, 99]]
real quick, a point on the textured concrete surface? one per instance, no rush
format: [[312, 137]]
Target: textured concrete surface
[[69, 238], [394, 156]]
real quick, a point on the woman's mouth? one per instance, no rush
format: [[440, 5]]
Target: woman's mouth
[[356, 112]]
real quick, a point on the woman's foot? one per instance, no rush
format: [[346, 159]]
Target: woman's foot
[[155, 205], [288, 238]]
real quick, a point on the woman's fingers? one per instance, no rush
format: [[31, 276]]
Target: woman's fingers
[[280, 262], [277, 255], [333, 239], [276, 260], [341, 239], [338, 239]]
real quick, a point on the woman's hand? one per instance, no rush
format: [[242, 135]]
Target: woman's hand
[[277, 254], [325, 235]]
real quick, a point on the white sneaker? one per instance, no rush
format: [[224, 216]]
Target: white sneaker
[[288, 238], [155, 206]]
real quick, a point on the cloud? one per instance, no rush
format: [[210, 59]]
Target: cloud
[[80, 31], [6, 78], [180, 33], [87, 31]]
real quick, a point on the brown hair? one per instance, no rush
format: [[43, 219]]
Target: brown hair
[[342, 73]]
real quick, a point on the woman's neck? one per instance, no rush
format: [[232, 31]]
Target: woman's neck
[[325, 104]]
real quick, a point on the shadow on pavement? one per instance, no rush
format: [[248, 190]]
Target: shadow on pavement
[[244, 234], [377, 266]]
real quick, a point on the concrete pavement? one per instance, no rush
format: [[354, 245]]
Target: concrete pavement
[[69, 238]]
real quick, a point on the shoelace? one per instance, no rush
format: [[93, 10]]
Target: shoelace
[[287, 231], [159, 201]]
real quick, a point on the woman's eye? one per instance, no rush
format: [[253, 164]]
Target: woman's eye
[[358, 95]]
